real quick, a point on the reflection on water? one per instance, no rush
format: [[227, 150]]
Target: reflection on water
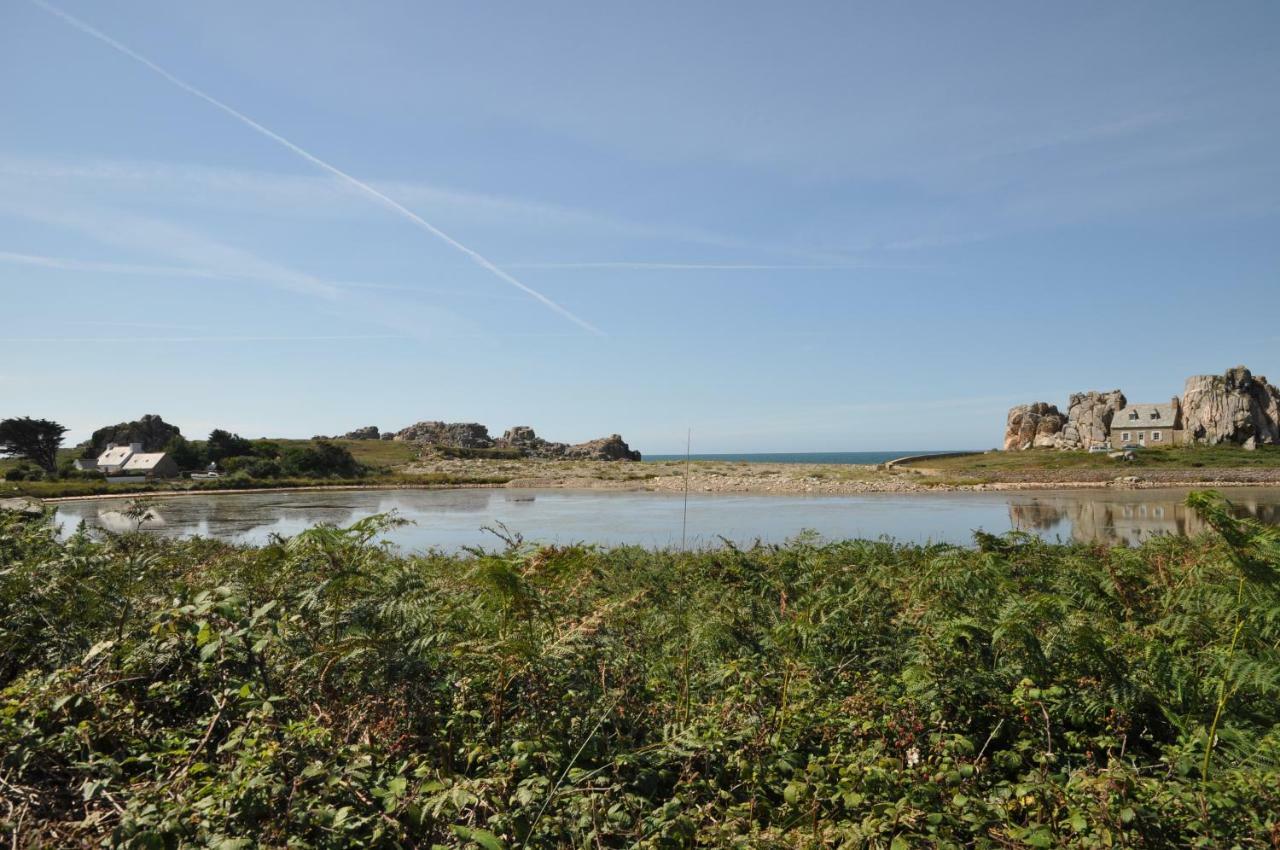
[[254, 517], [450, 519], [1128, 517]]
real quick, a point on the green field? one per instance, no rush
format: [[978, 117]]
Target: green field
[[1188, 457], [380, 454], [64, 456], [325, 692]]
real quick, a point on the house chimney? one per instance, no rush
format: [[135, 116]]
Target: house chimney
[[135, 447]]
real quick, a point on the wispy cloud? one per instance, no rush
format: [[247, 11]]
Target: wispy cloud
[[209, 259], [354, 182], [301, 196], [203, 256], [1073, 136], [642, 265], [106, 267], [168, 272], [148, 325], [187, 339]]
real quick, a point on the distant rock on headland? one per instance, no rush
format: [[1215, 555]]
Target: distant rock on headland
[[611, 447], [369, 432], [463, 435], [523, 437], [152, 431], [1235, 407], [472, 435]]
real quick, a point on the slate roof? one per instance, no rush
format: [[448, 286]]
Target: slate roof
[[142, 462], [115, 456], [1147, 416]]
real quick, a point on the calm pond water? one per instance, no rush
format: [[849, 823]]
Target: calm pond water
[[449, 519]]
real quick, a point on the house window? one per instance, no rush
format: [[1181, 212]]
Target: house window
[[1155, 436], [1133, 414], [1125, 436], [1155, 414]]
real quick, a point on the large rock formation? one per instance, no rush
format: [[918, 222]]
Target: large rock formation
[[606, 448], [611, 447], [472, 435], [522, 437], [1035, 425], [369, 432], [1089, 418], [463, 435], [152, 431], [1232, 408]]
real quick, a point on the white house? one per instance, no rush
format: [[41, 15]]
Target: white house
[[115, 457], [132, 460], [150, 464]]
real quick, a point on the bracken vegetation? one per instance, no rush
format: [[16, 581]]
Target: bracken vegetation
[[323, 691]]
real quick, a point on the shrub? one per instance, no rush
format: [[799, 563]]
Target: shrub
[[322, 459], [325, 691], [186, 454], [223, 444], [252, 466], [495, 453], [24, 472]]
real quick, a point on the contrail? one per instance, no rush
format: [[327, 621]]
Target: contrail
[[354, 182], [173, 339], [640, 265]]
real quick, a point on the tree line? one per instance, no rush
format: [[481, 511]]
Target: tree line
[[37, 443]]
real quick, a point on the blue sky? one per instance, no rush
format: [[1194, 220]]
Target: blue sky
[[821, 226]]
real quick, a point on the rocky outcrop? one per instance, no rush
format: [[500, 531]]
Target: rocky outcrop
[[20, 505], [1089, 418], [369, 432], [472, 435], [522, 437], [152, 431], [463, 435], [1033, 426], [611, 447], [1235, 407]]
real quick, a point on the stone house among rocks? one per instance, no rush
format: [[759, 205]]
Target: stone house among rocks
[[1148, 425], [1235, 408]]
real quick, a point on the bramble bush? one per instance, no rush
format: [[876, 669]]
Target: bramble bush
[[324, 691]]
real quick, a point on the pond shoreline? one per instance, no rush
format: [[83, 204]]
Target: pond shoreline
[[244, 491], [454, 518], [761, 487]]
